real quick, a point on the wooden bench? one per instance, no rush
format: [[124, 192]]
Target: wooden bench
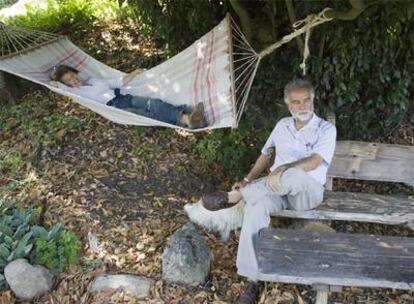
[[329, 261], [370, 162]]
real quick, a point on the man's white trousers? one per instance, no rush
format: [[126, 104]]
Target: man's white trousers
[[299, 192]]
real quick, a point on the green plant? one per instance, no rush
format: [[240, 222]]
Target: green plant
[[36, 120], [20, 238], [11, 162], [175, 23], [56, 248], [6, 3], [15, 235], [67, 15], [55, 122], [234, 150], [70, 247]]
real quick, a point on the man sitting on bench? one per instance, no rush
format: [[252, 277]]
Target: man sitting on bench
[[304, 146]]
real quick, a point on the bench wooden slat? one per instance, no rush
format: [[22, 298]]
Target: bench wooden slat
[[299, 257], [373, 161], [363, 207]]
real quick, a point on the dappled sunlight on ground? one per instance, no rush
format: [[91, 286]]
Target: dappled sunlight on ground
[[20, 7]]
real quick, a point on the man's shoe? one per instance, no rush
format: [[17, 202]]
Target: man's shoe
[[216, 201], [251, 293], [197, 119]]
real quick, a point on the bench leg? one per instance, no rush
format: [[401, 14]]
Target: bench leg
[[322, 297], [322, 292]]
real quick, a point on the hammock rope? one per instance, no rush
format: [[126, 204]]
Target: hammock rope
[[300, 27], [18, 40], [246, 62], [243, 62]]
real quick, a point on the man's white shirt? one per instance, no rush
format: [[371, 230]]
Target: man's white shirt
[[317, 136], [98, 89]]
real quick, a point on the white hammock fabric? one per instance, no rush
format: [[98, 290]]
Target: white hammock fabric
[[200, 73], [217, 70]]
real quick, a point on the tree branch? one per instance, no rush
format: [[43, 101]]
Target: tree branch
[[292, 18], [244, 18], [270, 11]]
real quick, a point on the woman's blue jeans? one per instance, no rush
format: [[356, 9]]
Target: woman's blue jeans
[[150, 107]]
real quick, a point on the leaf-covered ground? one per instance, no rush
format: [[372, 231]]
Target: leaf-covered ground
[[128, 186]]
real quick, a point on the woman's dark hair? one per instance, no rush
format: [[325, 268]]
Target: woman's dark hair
[[60, 70]]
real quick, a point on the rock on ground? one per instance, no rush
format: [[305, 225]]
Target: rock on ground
[[136, 286], [186, 258], [27, 281]]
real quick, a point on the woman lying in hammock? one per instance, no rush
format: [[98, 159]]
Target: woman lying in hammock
[[107, 91]]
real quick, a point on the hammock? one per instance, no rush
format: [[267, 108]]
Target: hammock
[[217, 70]]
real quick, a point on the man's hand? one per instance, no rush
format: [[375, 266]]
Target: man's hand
[[238, 185], [273, 179]]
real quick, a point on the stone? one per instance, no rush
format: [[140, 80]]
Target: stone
[[186, 258], [27, 281], [136, 286]]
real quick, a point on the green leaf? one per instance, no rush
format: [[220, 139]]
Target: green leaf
[[4, 251], [54, 232], [3, 264], [27, 249], [39, 232], [8, 240]]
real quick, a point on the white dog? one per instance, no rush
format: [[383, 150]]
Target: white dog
[[222, 221]]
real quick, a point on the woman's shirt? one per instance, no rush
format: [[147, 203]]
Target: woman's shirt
[[98, 89]]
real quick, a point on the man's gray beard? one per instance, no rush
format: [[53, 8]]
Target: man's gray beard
[[303, 117]]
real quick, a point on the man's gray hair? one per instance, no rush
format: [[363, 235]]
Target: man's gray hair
[[299, 83]]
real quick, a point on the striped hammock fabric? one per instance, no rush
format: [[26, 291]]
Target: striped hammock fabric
[[204, 72]]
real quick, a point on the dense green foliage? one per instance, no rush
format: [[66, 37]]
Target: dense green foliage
[[235, 150], [6, 3], [176, 24], [21, 237], [68, 16], [367, 71]]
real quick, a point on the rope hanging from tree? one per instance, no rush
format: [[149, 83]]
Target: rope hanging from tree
[[246, 60], [300, 27]]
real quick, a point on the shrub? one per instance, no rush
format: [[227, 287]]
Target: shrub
[[67, 16], [56, 248], [176, 23], [234, 150], [6, 3], [21, 238]]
